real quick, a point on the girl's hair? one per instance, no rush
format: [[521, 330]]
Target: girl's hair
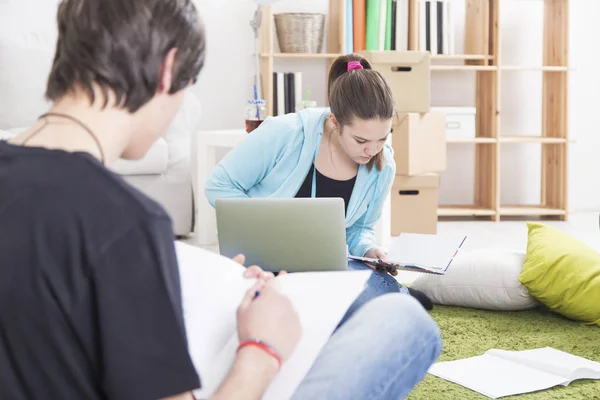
[[359, 94]]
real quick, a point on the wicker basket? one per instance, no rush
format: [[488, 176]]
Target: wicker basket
[[300, 32]]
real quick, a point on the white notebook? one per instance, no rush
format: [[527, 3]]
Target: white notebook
[[213, 286], [500, 373], [421, 252]]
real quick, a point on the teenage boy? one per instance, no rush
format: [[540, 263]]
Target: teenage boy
[[90, 302]]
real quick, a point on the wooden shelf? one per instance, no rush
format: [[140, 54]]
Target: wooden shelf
[[458, 57], [505, 211], [464, 68], [544, 68], [532, 139], [511, 139], [301, 55], [435, 57], [476, 140], [436, 67], [528, 210], [484, 21], [464, 211]]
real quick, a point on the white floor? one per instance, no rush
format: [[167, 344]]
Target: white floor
[[512, 234]]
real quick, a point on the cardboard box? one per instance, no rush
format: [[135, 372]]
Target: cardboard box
[[419, 143], [414, 204], [409, 75]]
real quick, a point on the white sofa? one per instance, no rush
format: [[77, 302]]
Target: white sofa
[[27, 44]]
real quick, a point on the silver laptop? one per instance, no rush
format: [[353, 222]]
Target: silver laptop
[[295, 235]]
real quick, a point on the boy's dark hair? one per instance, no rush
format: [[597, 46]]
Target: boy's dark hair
[[360, 93], [120, 45]]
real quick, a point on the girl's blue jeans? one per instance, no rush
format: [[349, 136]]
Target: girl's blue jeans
[[379, 284]]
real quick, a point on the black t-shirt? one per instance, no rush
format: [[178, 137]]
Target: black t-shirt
[[90, 301], [327, 187]]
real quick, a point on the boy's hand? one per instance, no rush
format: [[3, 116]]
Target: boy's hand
[[254, 271], [269, 317]]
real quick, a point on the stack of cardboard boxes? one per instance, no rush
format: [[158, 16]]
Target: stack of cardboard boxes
[[418, 139]]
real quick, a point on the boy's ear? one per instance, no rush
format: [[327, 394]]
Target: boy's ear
[[167, 72]]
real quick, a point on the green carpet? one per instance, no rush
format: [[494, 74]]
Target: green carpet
[[468, 332]]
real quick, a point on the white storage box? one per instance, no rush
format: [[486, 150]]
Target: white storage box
[[460, 122]]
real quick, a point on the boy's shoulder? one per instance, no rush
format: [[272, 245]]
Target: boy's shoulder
[[69, 190]]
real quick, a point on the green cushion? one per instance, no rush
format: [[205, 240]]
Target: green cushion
[[562, 273]]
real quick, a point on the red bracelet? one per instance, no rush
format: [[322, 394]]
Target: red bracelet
[[263, 346]]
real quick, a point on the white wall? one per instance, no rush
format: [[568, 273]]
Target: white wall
[[584, 86], [226, 84]]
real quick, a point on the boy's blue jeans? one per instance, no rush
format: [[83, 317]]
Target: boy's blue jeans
[[381, 350]]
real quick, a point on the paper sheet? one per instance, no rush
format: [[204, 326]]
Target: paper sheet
[[553, 361], [495, 377], [319, 312], [212, 288]]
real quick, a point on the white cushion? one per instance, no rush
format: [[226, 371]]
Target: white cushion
[[484, 279], [5, 135], [154, 162], [168, 151], [173, 149]]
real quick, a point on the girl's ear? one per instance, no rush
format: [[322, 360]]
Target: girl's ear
[[334, 120]]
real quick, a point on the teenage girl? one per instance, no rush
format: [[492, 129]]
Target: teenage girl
[[339, 152]]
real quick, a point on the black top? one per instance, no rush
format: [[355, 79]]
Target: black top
[[327, 187], [90, 301]]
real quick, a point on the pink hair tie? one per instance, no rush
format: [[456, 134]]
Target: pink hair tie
[[354, 65]]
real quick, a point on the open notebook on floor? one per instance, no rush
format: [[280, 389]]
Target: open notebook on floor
[[419, 252], [213, 286], [500, 373]]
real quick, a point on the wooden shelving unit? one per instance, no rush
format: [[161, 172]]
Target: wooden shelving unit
[[482, 57]]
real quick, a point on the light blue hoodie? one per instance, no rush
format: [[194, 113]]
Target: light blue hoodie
[[274, 159]]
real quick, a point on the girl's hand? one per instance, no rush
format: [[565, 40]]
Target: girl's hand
[[380, 254], [377, 253]]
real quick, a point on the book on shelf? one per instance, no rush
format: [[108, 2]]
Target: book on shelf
[[349, 23], [287, 92], [377, 25], [436, 26]]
